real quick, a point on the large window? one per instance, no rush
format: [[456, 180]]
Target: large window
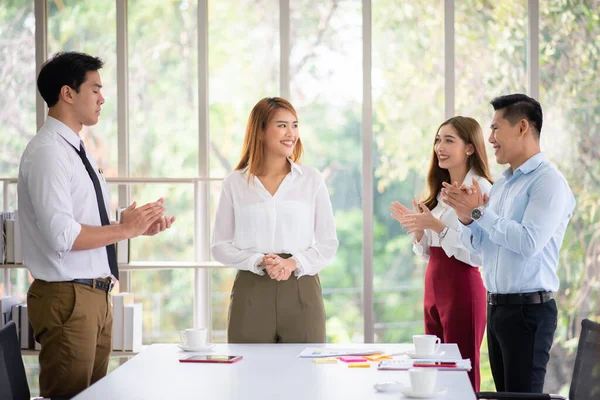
[[90, 27], [243, 67], [491, 54], [163, 140], [408, 106], [17, 104], [491, 58], [163, 81], [408, 82], [17, 83], [326, 90], [569, 87]]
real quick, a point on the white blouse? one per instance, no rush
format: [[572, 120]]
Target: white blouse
[[451, 243], [298, 220]]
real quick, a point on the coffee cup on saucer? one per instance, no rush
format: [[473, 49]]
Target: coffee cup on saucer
[[426, 344], [193, 338]]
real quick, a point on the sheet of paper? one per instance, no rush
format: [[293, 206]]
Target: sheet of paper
[[403, 364], [317, 352]]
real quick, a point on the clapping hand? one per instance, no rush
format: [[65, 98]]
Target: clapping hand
[[400, 213], [464, 199]]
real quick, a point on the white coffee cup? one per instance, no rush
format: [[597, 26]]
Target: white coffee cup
[[426, 344], [194, 337], [422, 380]]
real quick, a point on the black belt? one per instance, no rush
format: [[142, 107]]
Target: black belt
[[284, 255], [496, 299], [104, 284]]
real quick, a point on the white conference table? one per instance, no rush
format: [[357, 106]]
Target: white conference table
[[267, 371]]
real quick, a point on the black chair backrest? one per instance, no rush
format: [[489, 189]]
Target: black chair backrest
[[586, 371], [12, 364], [5, 387]]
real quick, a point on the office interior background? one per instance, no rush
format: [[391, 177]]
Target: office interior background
[[371, 81]]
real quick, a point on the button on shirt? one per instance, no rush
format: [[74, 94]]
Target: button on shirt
[[451, 243], [55, 197], [522, 228], [298, 220]]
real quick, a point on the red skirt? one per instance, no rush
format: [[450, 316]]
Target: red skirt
[[455, 306]]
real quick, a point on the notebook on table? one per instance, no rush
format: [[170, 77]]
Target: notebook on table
[[445, 364]]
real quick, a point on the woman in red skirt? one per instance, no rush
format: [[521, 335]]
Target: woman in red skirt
[[455, 299]]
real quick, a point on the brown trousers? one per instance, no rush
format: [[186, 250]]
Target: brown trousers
[[263, 310], [73, 323]]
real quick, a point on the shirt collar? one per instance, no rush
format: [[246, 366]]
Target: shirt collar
[[527, 167], [63, 130], [295, 167], [469, 178]]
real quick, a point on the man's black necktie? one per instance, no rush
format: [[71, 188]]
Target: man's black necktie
[[110, 249]]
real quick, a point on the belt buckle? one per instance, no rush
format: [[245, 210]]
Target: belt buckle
[[103, 285]]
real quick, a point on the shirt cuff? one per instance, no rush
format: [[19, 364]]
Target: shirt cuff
[[255, 262], [75, 231], [487, 220], [299, 271], [465, 229], [468, 227], [419, 247]]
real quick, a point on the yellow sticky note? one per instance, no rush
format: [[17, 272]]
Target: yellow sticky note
[[359, 365], [378, 357], [326, 360]]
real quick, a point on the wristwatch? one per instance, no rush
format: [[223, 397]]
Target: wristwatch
[[477, 213]]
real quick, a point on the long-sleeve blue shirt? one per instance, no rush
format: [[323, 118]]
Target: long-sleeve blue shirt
[[522, 228]]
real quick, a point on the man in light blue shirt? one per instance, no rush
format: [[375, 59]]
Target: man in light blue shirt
[[519, 232]]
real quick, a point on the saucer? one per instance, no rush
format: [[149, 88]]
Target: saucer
[[408, 392], [389, 386], [412, 354], [206, 347]]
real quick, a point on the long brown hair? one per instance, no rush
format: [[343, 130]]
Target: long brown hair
[[253, 149], [470, 132]]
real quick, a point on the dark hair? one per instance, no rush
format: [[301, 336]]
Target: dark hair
[[520, 106], [65, 69], [468, 131]]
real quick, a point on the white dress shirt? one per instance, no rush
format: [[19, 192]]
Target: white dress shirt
[[298, 220], [55, 197], [451, 243]]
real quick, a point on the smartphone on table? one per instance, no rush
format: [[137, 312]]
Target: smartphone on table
[[210, 358]]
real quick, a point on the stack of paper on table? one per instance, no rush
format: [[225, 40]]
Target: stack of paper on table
[[318, 352], [404, 364], [120, 300], [132, 334]]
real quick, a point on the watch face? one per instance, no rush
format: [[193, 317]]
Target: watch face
[[476, 213]]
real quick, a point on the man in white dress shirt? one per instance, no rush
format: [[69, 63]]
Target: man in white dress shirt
[[68, 238]]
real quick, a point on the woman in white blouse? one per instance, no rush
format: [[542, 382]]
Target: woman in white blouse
[[455, 298], [275, 224]]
